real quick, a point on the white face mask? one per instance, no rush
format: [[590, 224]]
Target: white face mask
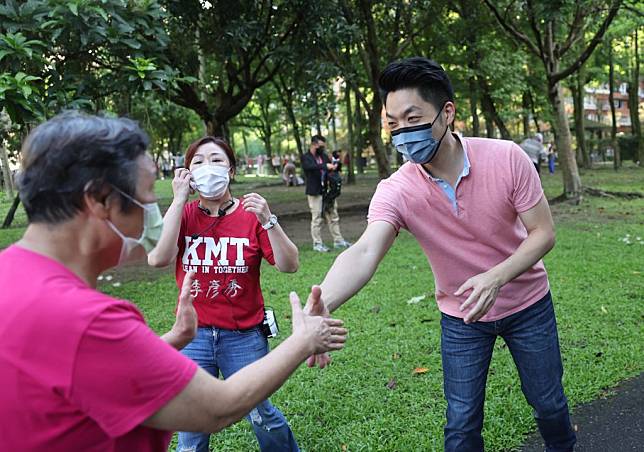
[[210, 180], [152, 227]]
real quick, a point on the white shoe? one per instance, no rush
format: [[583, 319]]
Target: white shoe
[[320, 248], [341, 245]]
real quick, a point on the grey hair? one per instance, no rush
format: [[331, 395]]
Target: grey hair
[[73, 154]]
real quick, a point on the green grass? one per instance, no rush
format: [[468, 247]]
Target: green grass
[[596, 279]]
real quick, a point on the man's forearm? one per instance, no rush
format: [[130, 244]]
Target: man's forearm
[[533, 248], [336, 287]]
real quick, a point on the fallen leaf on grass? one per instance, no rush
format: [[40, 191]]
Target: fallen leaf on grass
[[604, 310], [344, 448], [391, 384], [395, 356], [420, 370], [414, 300]]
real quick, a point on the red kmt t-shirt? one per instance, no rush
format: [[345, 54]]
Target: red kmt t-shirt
[[226, 253]]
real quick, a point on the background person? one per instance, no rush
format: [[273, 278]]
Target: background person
[[316, 164]]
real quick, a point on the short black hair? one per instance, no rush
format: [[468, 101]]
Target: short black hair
[[426, 75], [315, 139], [74, 153]]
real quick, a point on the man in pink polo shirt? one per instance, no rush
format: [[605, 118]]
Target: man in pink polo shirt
[[477, 208], [80, 370]]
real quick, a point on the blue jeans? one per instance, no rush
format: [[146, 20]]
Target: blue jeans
[[531, 336], [217, 350]]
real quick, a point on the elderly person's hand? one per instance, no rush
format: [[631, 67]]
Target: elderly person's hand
[[185, 325], [323, 334]]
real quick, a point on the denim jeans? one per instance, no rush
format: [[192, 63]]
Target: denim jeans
[[531, 337], [217, 350]]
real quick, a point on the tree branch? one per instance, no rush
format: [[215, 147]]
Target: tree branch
[[512, 30], [554, 78], [573, 34]]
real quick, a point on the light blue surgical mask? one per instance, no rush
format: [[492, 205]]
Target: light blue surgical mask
[[152, 227], [416, 143]]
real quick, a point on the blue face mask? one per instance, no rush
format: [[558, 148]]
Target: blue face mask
[[416, 143]]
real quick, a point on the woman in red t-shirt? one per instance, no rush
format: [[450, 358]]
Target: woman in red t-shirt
[[223, 240]]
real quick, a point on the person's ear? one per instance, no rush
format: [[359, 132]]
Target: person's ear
[[98, 201], [450, 110]]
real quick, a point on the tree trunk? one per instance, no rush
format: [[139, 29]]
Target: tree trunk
[[535, 118], [318, 125], [567, 161], [334, 134], [476, 125], [375, 129], [577, 89], [245, 143], [215, 128], [11, 213], [287, 101], [6, 171], [633, 103], [351, 177], [359, 142], [525, 114], [617, 161], [488, 104]]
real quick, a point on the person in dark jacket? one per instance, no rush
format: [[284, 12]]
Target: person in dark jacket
[[316, 164]]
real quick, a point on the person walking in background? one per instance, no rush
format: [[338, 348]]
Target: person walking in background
[[552, 156], [316, 165], [534, 148]]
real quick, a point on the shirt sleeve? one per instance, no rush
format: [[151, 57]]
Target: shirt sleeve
[[384, 206], [123, 372], [265, 244], [527, 190]]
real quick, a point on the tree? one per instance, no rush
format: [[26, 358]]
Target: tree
[[554, 29], [95, 51], [229, 49], [617, 162]]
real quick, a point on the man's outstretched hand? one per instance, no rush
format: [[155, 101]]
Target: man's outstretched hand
[[315, 306]]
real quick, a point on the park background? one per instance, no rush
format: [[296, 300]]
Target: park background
[[268, 74]]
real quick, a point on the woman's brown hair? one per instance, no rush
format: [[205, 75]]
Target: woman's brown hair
[[192, 149]]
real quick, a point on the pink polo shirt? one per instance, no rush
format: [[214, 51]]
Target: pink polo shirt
[[79, 370], [481, 232]]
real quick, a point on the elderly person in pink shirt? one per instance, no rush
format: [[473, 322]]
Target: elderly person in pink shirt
[[80, 370], [477, 208]]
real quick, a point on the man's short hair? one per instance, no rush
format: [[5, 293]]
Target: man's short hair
[[315, 139], [423, 74], [74, 153]]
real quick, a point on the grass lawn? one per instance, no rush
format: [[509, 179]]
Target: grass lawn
[[597, 280]]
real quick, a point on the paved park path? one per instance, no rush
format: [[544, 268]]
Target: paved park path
[[613, 424]]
